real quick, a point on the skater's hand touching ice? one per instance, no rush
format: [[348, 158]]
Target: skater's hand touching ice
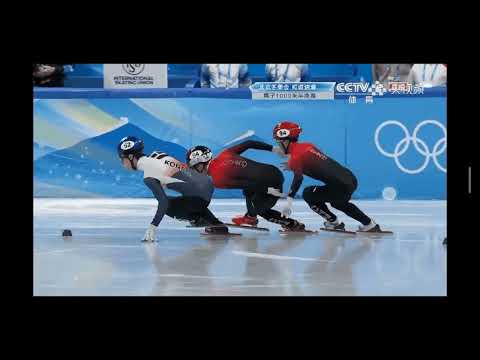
[[151, 233], [287, 209]]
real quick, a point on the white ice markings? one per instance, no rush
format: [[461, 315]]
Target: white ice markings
[[277, 257]]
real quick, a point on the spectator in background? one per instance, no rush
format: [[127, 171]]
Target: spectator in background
[[287, 72], [390, 72], [428, 75], [49, 75], [224, 76]]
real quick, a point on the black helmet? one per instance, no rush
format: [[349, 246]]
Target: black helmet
[[130, 145], [198, 155]]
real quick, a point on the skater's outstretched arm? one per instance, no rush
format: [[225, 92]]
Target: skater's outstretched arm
[[296, 183], [157, 190], [250, 144]]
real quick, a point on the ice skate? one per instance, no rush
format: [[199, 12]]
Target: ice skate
[[334, 225], [218, 230], [200, 222], [372, 228], [294, 226], [248, 227]]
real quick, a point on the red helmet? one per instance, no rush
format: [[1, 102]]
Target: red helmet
[[286, 130]]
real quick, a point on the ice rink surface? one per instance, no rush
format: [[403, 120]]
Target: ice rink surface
[[105, 256]]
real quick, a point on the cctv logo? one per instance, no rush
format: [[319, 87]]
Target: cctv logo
[[376, 89], [353, 87]]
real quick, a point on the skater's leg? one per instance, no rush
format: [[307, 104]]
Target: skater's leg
[[342, 203], [250, 217], [276, 217], [258, 199], [251, 211], [178, 208], [351, 210], [257, 203], [264, 204], [208, 216], [191, 209], [316, 196]]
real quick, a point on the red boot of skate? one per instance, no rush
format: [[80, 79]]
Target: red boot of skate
[[245, 220]]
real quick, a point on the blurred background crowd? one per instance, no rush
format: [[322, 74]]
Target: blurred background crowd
[[243, 75]]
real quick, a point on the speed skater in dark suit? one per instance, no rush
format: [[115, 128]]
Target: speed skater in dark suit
[[261, 183], [340, 182], [164, 171]]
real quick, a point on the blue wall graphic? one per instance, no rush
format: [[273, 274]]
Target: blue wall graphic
[[92, 167], [78, 138], [41, 150]]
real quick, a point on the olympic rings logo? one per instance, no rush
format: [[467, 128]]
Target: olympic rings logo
[[420, 145]]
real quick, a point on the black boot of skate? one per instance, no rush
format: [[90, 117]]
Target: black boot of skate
[[334, 226], [373, 227], [200, 222], [294, 226], [216, 230]]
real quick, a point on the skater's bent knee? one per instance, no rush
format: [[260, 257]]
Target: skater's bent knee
[[339, 205], [308, 193], [278, 175]]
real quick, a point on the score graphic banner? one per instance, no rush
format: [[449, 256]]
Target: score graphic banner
[[293, 91]]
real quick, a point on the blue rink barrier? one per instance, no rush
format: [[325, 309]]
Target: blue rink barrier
[[398, 141]]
